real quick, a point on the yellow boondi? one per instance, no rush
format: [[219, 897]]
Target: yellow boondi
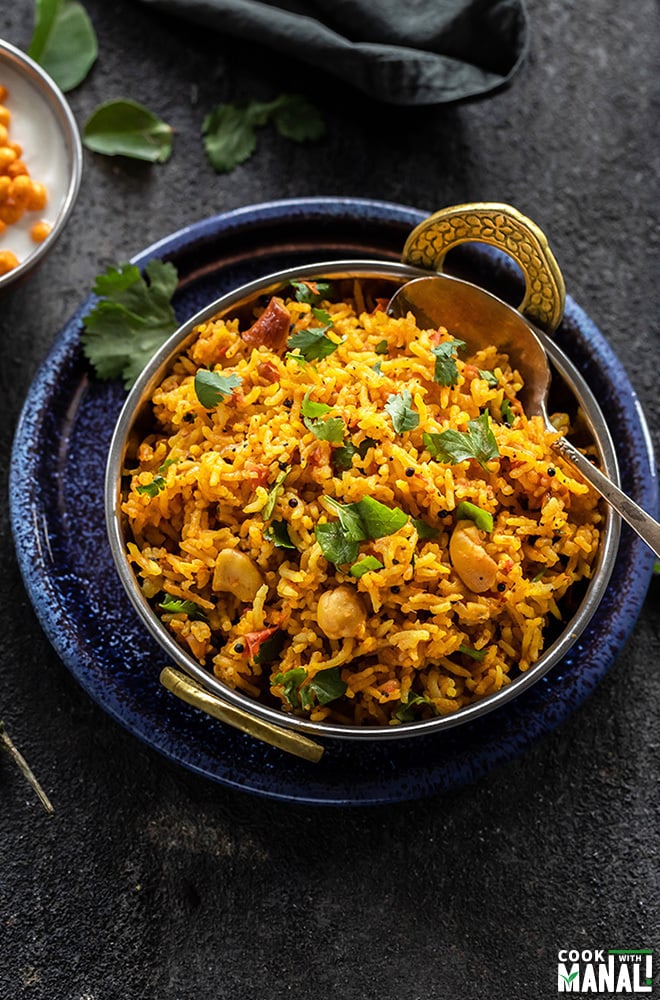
[[418, 606]]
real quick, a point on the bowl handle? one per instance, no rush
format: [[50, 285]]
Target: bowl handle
[[192, 693], [500, 226]]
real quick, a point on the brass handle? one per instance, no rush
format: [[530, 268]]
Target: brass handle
[[506, 228], [193, 694]]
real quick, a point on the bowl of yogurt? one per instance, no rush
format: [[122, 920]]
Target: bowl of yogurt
[[40, 164]]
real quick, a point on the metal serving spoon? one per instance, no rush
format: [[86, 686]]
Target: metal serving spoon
[[480, 319]]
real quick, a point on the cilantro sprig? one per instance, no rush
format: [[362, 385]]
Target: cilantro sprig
[[313, 342], [133, 317], [358, 522], [451, 446], [229, 129]]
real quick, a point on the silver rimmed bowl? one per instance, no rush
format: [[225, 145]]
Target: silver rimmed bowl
[[44, 128], [568, 386]]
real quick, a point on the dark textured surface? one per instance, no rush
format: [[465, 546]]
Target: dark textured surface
[[149, 882]]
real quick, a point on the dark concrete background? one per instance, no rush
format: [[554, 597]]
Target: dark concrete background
[[149, 882]]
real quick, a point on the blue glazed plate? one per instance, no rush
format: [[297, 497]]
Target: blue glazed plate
[[56, 499]]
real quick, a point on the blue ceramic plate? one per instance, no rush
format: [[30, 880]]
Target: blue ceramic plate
[[56, 497]]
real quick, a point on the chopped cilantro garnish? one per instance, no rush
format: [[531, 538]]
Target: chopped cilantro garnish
[[324, 687], [487, 376], [313, 342], [446, 369], [365, 565], [132, 319], [469, 511], [452, 446], [382, 347], [377, 368], [278, 533], [508, 416], [406, 712], [366, 519], [212, 387], [308, 408], [274, 493], [400, 408], [178, 605], [271, 648], [336, 545], [342, 458], [311, 291], [424, 530], [332, 429], [153, 488]]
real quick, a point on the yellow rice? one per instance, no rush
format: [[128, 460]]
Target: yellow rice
[[429, 642]]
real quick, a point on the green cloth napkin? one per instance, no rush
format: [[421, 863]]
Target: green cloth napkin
[[399, 51]]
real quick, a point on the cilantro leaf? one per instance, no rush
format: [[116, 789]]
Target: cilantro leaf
[[178, 605], [378, 519], [125, 128], [271, 648], [342, 458], [327, 685], [153, 488], [446, 369], [296, 118], [229, 129], [312, 342], [273, 494], [132, 319], [469, 511], [212, 387], [308, 408], [290, 682], [368, 518], [365, 565], [63, 42], [452, 446], [487, 376], [229, 136], [508, 416], [424, 530], [400, 408], [406, 712], [335, 543], [278, 533], [311, 291], [332, 429], [382, 347]]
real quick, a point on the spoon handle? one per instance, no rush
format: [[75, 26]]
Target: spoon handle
[[646, 527]]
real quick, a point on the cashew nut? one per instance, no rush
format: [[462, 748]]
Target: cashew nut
[[470, 560], [340, 613], [237, 574]]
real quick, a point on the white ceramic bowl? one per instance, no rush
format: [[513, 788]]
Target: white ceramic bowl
[[43, 125]]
